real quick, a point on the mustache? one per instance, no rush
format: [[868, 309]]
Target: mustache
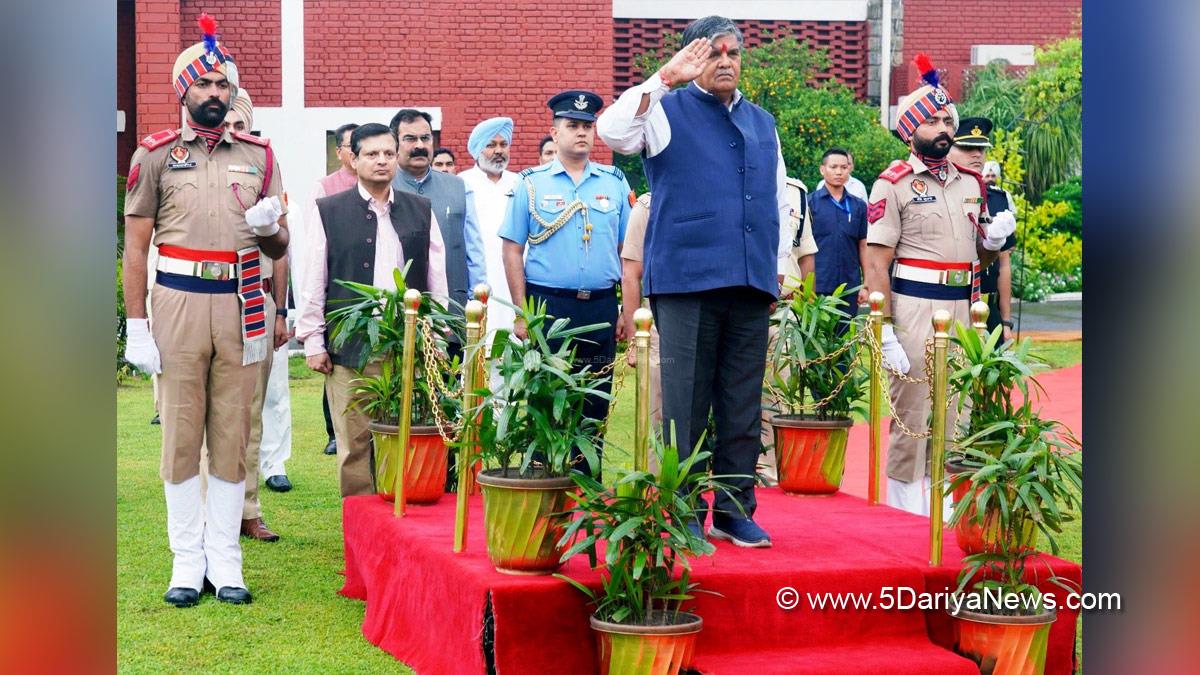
[[943, 137], [419, 152]]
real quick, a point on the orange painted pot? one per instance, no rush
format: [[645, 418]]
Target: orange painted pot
[[1004, 645], [425, 466], [624, 649], [810, 454], [523, 519], [974, 536]]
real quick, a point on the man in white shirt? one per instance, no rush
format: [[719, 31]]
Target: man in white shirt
[[363, 235], [492, 185]]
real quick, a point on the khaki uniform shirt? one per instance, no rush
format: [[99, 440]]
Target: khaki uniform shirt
[[202, 203], [635, 229], [789, 267], [923, 219]]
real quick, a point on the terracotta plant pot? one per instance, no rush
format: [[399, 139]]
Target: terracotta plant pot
[[1004, 645], [810, 454], [976, 537], [520, 522], [624, 649], [425, 466]]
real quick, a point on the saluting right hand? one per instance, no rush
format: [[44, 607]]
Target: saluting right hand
[[688, 63], [140, 350]]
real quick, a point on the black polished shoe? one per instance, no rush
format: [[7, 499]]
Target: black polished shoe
[[234, 595], [279, 483], [155, 420], [180, 596], [331, 449]]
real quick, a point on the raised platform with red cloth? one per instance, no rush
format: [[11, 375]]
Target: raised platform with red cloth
[[435, 610]]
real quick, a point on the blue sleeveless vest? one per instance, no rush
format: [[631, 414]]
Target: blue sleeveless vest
[[714, 219]]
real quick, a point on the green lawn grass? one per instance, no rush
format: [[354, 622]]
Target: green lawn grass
[[297, 623]]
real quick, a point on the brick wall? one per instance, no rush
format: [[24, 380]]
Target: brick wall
[[942, 29], [844, 41], [475, 59], [250, 28], [156, 25]]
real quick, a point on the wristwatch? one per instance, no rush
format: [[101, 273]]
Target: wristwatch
[[281, 311], [1007, 323]]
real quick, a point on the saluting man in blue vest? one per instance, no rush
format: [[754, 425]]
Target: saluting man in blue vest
[[712, 251], [572, 214]]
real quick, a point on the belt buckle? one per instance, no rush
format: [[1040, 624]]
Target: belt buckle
[[214, 271], [958, 277], [583, 295]]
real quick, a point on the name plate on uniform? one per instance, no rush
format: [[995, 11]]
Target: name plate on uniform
[[924, 199]]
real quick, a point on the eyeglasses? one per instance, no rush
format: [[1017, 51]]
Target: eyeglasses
[[410, 139]]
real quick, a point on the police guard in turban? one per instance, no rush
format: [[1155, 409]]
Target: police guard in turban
[[928, 234], [211, 201], [492, 184]]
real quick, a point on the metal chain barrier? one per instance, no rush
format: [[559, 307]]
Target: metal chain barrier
[[818, 405], [435, 365]]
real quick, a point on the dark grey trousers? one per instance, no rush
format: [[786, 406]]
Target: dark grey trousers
[[714, 348]]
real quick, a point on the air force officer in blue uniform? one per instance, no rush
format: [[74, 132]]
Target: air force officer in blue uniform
[[563, 233]]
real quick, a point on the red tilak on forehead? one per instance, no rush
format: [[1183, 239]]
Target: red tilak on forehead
[[724, 49]]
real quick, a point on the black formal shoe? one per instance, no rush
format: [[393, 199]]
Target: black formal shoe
[[182, 597], [331, 449], [279, 483], [155, 420], [234, 595]]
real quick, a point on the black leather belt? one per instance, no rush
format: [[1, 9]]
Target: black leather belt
[[581, 294]]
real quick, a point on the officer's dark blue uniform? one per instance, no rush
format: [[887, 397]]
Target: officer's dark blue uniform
[[838, 227], [572, 232], [976, 132]]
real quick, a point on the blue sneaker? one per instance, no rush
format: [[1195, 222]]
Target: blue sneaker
[[742, 532]]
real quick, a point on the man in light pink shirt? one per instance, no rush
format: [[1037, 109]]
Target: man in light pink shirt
[[362, 235]]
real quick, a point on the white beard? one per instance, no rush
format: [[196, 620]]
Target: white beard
[[491, 167]]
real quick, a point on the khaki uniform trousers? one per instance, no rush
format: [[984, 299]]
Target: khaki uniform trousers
[[251, 507], [354, 446], [204, 390], [908, 458]]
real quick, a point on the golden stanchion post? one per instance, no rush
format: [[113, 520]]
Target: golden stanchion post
[[642, 320], [979, 317], [482, 293], [466, 455], [412, 301], [937, 449], [875, 325]]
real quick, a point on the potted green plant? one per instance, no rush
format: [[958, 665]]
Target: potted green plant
[[814, 365], [376, 319], [992, 382], [640, 624], [1030, 480], [533, 435]]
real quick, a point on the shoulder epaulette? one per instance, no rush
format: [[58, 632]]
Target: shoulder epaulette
[[540, 167], [609, 168], [644, 200], [899, 169], [251, 138], [797, 183], [157, 140]]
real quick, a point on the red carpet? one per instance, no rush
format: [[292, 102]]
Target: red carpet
[[426, 605], [1062, 401]]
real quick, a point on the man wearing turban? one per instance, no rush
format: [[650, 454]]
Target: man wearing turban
[[928, 216], [211, 201], [492, 184]]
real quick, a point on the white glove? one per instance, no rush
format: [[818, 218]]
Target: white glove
[[140, 349], [893, 353], [1002, 225], [263, 217]]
